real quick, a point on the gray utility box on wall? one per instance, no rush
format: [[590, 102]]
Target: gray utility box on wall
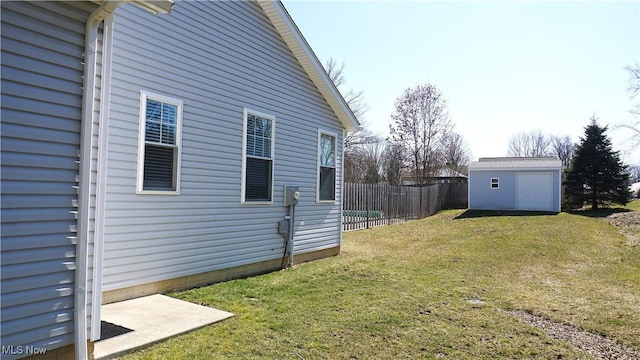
[[283, 227], [291, 195]]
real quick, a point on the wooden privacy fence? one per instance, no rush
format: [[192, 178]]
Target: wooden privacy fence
[[369, 205]]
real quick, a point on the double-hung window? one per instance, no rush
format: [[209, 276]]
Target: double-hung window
[[159, 144], [495, 183], [257, 160], [326, 167]]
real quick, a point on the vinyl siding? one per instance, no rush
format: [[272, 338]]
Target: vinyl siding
[[42, 51], [483, 197], [218, 58]]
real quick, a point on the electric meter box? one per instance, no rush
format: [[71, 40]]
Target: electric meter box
[[291, 195]]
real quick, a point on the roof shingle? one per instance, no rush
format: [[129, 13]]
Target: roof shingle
[[517, 163]]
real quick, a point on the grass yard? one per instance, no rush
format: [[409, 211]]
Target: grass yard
[[403, 291]]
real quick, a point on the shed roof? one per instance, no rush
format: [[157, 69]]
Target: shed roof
[[283, 23], [516, 163]]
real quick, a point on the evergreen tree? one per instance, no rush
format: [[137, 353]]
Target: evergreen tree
[[596, 173]]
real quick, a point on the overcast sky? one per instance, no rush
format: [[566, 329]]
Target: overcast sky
[[505, 67]]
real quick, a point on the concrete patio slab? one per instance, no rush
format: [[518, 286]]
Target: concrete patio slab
[[152, 319]]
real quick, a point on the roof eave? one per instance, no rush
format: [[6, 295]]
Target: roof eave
[[516, 169], [153, 6], [294, 39]]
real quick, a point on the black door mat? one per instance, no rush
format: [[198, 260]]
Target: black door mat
[[109, 330]]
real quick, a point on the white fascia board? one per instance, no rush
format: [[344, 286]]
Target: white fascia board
[[296, 42]]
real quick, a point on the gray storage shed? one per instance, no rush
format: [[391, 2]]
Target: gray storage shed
[[515, 183]]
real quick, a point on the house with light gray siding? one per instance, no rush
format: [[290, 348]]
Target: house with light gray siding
[[515, 183], [212, 114], [43, 187], [146, 152]]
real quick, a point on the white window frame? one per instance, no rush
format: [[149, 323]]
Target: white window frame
[[497, 182], [335, 154], [243, 182], [144, 96]]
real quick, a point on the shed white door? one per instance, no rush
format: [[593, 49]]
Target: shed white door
[[534, 191]]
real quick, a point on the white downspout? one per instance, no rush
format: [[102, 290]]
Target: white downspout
[[84, 190], [342, 186], [101, 176]]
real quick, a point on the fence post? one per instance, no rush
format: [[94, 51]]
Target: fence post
[[366, 201], [388, 192], [449, 205]]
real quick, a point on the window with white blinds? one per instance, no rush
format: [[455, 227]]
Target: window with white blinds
[[160, 138], [257, 161], [326, 167]]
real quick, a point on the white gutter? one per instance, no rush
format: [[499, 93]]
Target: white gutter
[[84, 190]]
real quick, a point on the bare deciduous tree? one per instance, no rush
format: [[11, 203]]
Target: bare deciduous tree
[[634, 173], [393, 164], [420, 126], [532, 144], [372, 161], [354, 157], [364, 162], [335, 72], [634, 92], [634, 81], [457, 155], [562, 147], [350, 167], [355, 100]]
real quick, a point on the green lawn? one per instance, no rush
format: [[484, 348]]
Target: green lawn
[[403, 291]]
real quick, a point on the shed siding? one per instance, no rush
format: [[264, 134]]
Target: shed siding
[[482, 196], [219, 58], [42, 51]]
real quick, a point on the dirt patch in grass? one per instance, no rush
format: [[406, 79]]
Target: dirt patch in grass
[[597, 346], [628, 223]]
